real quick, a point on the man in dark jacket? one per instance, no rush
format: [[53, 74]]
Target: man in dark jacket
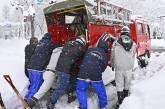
[[94, 63], [29, 50], [71, 52], [38, 63]]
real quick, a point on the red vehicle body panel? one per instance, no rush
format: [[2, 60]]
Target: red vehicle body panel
[[142, 38]]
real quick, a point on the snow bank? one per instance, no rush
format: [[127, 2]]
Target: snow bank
[[149, 92], [158, 43], [12, 63]]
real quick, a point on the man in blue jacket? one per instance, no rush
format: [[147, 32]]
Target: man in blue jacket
[[94, 63], [38, 63]]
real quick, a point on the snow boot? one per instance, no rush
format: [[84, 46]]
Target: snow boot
[[126, 92], [71, 97], [120, 96]]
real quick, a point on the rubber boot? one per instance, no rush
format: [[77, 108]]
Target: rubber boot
[[126, 93], [120, 95]]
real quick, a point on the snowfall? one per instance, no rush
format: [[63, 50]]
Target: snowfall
[[147, 88]]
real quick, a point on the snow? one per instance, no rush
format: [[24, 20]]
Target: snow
[[147, 91], [12, 63], [9, 23], [158, 43]]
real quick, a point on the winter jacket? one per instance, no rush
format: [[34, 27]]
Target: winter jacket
[[122, 59], [94, 63], [29, 50], [42, 53], [71, 52]]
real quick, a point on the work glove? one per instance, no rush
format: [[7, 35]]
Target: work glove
[[32, 102]]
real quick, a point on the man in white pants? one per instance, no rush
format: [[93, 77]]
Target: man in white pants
[[48, 76], [123, 57]]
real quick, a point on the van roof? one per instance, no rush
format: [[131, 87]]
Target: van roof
[[62, 6]]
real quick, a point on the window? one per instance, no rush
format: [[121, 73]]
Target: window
[[69, 19], [139, 28], [74, 19]]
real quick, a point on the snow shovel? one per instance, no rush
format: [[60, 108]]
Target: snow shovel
[[1, 103], [8, 79]]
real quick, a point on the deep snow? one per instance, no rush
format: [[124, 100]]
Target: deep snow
[[147, 86], [148, 89], [158, 43]]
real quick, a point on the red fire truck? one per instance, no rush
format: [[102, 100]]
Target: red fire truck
[[68, 18]]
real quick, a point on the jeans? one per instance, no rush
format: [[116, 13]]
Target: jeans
[[60, 88]]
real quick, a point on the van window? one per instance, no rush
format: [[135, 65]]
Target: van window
[[139, 28]]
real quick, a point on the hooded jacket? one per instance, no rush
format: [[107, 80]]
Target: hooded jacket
[[121, 59], [42, 53], [71, 52]]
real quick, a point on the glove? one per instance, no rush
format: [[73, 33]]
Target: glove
[[113, 68], [32, 102]]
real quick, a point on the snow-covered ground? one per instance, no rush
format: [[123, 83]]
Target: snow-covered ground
[[147, 90], [12, 63], [158, 43]]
